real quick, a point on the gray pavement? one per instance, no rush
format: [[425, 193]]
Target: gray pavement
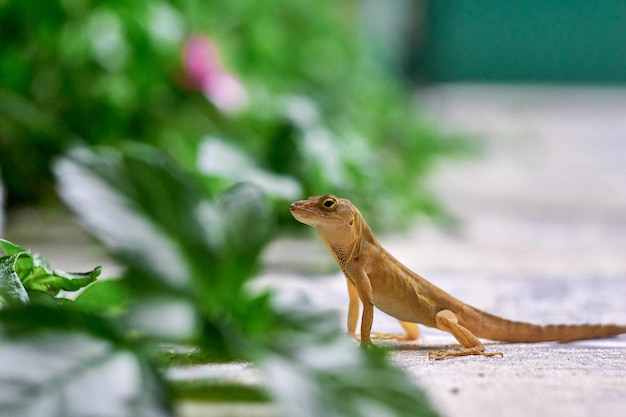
[[542, 238]]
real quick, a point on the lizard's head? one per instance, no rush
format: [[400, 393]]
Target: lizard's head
[[331, 216]]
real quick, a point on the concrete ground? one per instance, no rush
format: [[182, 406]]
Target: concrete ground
[[541, 237]]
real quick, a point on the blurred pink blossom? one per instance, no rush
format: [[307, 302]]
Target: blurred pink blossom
[[204, 72]]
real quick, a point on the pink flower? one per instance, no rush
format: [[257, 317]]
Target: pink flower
[[204, 72]]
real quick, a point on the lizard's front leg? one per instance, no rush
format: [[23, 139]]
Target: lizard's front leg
[[411, 331], [359, 284], [353, 308], [447, 321]]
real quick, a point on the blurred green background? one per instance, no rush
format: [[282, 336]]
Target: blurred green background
[[320, 88], [314, 94], [290, 95], [178, 132]]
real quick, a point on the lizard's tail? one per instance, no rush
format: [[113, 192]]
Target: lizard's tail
[[488, 326]]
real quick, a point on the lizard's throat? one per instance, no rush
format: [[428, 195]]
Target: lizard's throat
[[344, 253]]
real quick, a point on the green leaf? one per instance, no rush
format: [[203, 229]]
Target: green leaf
[[156, 218], [176, 242], [73, 374], [42, 280], [12, 292], [106, 297], [41, 263], [10, 248], [142, 207], [237, 229], [24, 265], [44, 298], [36, 274], [72, 281], [50, 316]]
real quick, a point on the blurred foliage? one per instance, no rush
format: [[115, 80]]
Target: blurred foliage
[[55, 362], [312, 108], [1, 204], [190, 123], [188, 258]]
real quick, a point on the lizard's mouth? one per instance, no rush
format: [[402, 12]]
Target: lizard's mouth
[[301, 213], [296, 208]]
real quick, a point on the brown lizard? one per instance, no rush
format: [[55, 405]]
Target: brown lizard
[[377, 279]]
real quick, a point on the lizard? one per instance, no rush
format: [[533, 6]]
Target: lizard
[[377, 279]]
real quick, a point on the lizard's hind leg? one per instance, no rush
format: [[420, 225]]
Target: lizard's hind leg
[[447, 321]]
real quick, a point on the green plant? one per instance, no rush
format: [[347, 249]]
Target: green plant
[[29, 277], [188, 257], [287, 83]]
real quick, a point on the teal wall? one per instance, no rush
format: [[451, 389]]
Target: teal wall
[[562, 41]]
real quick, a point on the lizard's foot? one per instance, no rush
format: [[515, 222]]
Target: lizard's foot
[[442, 354], [397, 336], [362, 343]]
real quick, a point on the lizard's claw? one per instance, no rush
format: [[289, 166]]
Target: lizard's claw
[[385, 336], [367, 345], [442, 354]]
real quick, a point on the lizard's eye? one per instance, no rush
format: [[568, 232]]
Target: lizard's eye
[[328, 202]]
